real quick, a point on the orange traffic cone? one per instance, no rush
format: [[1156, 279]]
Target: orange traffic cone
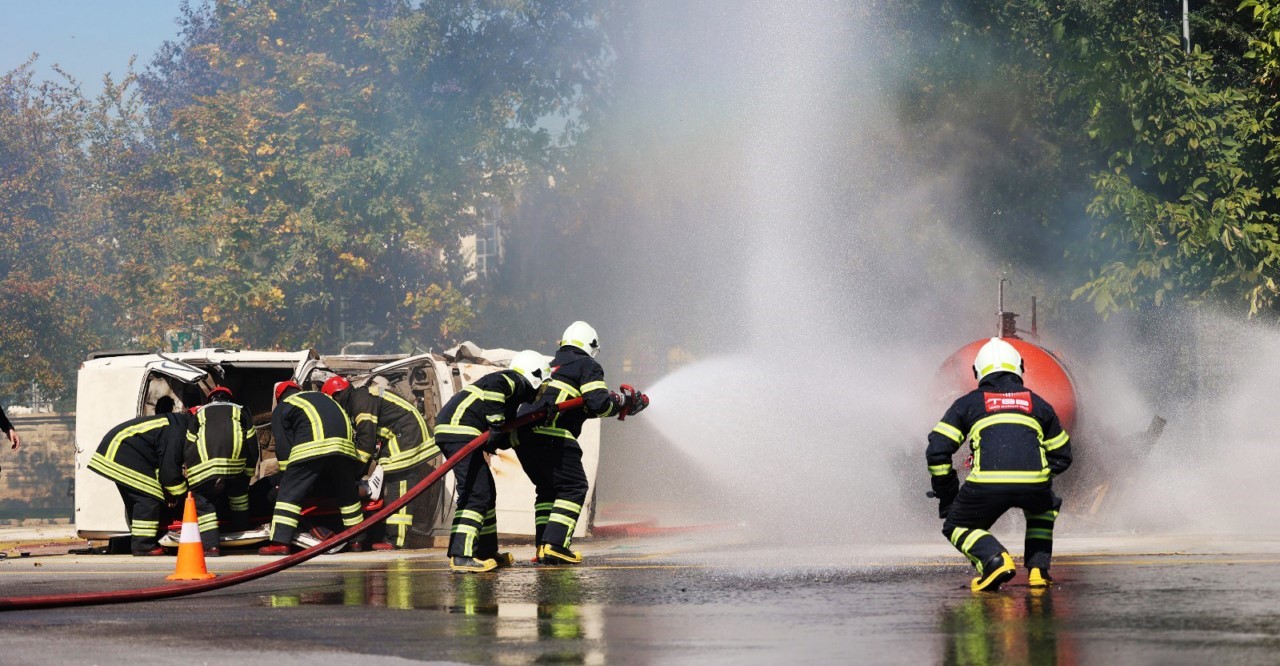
[[190, 550]]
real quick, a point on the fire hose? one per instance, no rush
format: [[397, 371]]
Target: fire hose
[[184, 589]]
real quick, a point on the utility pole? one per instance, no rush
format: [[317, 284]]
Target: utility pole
[[1186, 26]]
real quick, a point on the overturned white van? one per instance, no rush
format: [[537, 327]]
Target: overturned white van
[[116, 386]]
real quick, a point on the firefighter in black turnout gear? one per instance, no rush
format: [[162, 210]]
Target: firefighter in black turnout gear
[[143, 456], [484, 406], [221, 456], [313, 443], [391, 429], [1018, 447], [550, 454]]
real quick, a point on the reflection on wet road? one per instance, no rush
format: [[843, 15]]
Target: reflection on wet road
[[556, 613], [696, 608], [1017, 627]]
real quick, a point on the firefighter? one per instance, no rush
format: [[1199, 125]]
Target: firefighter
[[221, 455], [550, 454], [485, 405], [391, 429], [143, 456], [1018, 447], [313, 444]]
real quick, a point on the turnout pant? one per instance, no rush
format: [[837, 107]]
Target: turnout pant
[[396, 528], [236, 489], [554, 465], [335, 476], [142, 512], [475, 522], [977, 508]]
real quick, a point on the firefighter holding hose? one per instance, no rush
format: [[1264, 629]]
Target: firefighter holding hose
[[391, 429], [484, 406], [550, 454], [1018, 447]]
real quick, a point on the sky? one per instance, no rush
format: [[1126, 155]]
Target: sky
[[87, 39]]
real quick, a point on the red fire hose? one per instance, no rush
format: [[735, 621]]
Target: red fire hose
[[184, 589]]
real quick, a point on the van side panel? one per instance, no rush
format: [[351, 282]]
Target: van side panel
[[108, 395]]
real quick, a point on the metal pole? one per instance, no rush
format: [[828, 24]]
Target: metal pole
[[1186, 26]]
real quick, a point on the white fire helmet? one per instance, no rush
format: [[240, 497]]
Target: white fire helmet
[[997, 356], [532, 366], [581, 335]]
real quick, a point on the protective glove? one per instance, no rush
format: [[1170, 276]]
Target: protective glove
[[945, 489]]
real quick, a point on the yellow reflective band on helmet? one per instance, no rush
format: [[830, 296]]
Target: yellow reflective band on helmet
[[940, 470], [1056, 442], [949, 431], [988, 369]]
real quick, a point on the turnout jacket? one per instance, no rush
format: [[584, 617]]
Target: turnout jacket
[[310, 424], [574, 373], [486, 404], [221, 441], [382, 415], [145, 454], [1014, 434]]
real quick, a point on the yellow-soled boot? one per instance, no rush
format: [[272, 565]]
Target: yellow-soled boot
[[471, 565], [504, 559], [994, 573], [1038, 577], [552, 554]]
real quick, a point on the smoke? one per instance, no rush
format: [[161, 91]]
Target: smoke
[[829, 281], [784, 275]]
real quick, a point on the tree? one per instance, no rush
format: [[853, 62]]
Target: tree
[[331, 155]]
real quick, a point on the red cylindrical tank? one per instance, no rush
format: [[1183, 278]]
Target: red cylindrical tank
[[1045, 374]]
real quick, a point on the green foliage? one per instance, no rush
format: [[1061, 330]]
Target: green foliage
[[281, 172], [1170, 154]]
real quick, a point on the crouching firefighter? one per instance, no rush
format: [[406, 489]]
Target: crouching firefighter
[[391, 429], [221, 456], [313, 444], [484, 406], [550, 454], [1018, 447], [143, 456]]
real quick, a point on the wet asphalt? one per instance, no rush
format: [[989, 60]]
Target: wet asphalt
[[1118, 600]]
